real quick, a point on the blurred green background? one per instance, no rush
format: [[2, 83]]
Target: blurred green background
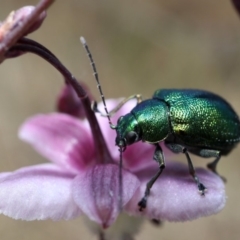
[[138, 46]]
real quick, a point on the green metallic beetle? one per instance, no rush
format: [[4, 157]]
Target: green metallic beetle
[[187, 120]]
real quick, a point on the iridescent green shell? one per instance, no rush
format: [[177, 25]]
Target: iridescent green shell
[[200, 118]]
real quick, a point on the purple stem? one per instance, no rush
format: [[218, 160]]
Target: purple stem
[[27, 45], [236, 4]]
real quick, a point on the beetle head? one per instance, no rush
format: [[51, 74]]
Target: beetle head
[[128, 131]]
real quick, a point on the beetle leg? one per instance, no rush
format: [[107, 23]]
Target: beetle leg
[[192, 172], [177, 148], [156, 222], [159, 157], [206, 153], [113, 111]]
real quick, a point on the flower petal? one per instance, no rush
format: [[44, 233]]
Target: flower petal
[[37, 193], [175, 197], [60, 138], [139, 156], [97, 192]]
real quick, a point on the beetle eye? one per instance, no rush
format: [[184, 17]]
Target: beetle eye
[[131, 137]]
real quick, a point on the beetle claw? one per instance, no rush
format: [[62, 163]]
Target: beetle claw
[[142, 204], [202, 189]]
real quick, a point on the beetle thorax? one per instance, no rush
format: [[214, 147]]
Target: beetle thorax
[[148, 121], [152, 117]]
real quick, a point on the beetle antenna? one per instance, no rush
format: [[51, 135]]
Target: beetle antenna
[[84, 43], [120, 193], [95, 73]]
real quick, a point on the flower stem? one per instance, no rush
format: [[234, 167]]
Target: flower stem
[[236, 4], [27, 45], [101, 236]]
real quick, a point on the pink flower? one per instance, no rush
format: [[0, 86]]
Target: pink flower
[[75, 183]]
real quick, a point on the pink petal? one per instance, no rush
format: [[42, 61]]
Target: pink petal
[[97, 192], [37, 193], [139, 156], [3, 175], [60, 138], [175, 197]]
